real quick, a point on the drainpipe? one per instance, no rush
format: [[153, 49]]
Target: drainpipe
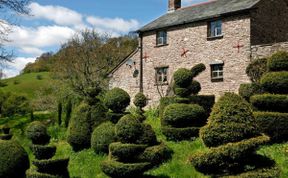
[[141, 62]]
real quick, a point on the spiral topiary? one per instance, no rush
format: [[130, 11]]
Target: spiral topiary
[[37, 132], [117, 100]]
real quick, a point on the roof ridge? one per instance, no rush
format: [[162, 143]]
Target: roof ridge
[[198, 4]]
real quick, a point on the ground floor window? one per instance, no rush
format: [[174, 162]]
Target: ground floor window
[[217, 72], [161, 75]]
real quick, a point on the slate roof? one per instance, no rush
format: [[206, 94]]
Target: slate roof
[[199, 12]]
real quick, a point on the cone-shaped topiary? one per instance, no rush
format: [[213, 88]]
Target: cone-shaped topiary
[[37, 132], [14, 160], [137, 151], [232, 133], [117, 100]]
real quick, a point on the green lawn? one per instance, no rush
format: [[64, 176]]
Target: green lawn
[[26, 84], [86, 164]]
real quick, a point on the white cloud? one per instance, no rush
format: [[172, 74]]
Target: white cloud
[[14, 68], [58, 14], [31, 50]]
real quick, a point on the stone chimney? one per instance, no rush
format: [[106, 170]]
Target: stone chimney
[[174, 5]]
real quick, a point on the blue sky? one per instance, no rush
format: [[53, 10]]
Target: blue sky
[[52, 22]]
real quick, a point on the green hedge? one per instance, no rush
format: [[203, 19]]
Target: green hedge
[[122, 170], [183, 115], [6, 137], [250, 89], [231, 120], [128, 129], [273, 124], [148, 136], [228, 157], [266, 172], [140, 100], [182, 77], [102, 136], [178, 134], [117, 100], [43, 152], [37, 132], [278, 61], [256, 69], [40, 175], [14, 160], [197, 69], [275, 82], [269, 102], [114, 117], [126, 153], [53, 166], [165, 101]]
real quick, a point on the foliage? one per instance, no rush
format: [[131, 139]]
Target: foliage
[[270, 102], [13, 104], [148, 136], [278, 61], [182, 77], [37, 132], [256, 69], [53, 166], [102, 136], [68, 112], [40, 175], [117, 100], [14, 160], [197, 69], [231, 120], [43, 152], [59, 113], [42, 63], [248, 90], [275, 82], [179, 134], [140, 100]]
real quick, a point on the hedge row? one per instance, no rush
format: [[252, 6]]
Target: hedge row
[[178, 134], [126, 153], [250, 89], [278, 61], [270, 102], [275, 82]]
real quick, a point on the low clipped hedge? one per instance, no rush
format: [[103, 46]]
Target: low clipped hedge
[[102, 136], [275, 82], [126, 153], [14, 160], [178, 134], [273, 124], [183, 115], [270, 102], [250, 89], [124, 170], [117, 100], [193, 89], [278, 61], [43, 152], [197, 69], [37, 132], [266, 172], [140, 100], [148, 136], [128, 129], [183, 77], [40, 175], [53, 166], [165, 101], [228, 157]]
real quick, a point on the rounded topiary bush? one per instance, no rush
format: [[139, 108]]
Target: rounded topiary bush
[[183, 77], [37, 132], [249, 89], [140, 100], [275, 82], [270, 102], [148, 136], [128, 129], [197, 69], [278, 61], [117, 100], [14, 160], [102, 136], [231, 120], [183, 115]]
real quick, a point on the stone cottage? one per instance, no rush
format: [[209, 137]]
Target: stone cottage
[[225, 35]]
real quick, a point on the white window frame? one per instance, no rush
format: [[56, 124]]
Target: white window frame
[[219, 72]]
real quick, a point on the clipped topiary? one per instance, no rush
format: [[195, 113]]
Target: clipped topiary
[[275, 82], [43, 152], [256, 69], [250, 89], [37, 132], [117, 100], [14, 160], [183, 77], [140, 100], [197, 69], [278, 61], [102, 136]]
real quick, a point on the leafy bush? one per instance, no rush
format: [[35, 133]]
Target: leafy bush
[[197, 69], [178, 134], [165, 101], [114, 117], [248, 90], [15, 104], [148, 136], [14, 160], [273, 124], [102, 136], [117, 100], [256, 69], [183, 77], [43, 152], [140, 100], [270, 102], [126, 153], [206, 101], [6, 136], [37, 132], [278, 61], [40, 175], [97, 113], [231, 120], [275, 82], [53, 166], [183, 115], [128, 129], [265, 172]]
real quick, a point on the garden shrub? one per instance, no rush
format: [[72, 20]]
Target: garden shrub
[[102, 136], [275, 82], [40, 175], [165, 101], [206, 101], [270, 102], [43, 152], [124, 152], [273, 124], [140, 100], [256, 69], [148, 136], [53, 166], [117, 100], [178, 134], [14, 160], [278, 61], [6, 136], [37, 132], [182, 77], [250, 89], [114, 117], [231, 120], [15, 104], [97, 115], [197, 69]]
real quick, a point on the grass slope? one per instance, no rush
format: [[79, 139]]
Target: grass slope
[[26, 84]]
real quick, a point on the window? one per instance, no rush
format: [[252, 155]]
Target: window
[[217, 72], [161, 75], [161, 38], [215, 28]]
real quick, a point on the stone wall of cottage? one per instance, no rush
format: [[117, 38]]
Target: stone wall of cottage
[[265, 50]]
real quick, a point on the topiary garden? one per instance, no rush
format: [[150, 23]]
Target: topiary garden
[[5, 135], [233, 138]]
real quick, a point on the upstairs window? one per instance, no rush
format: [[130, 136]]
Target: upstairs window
[[161, 38], [217, 72], [215, 28], [161, 75]]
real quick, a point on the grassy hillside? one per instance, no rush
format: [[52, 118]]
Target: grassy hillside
[[27, 84]]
